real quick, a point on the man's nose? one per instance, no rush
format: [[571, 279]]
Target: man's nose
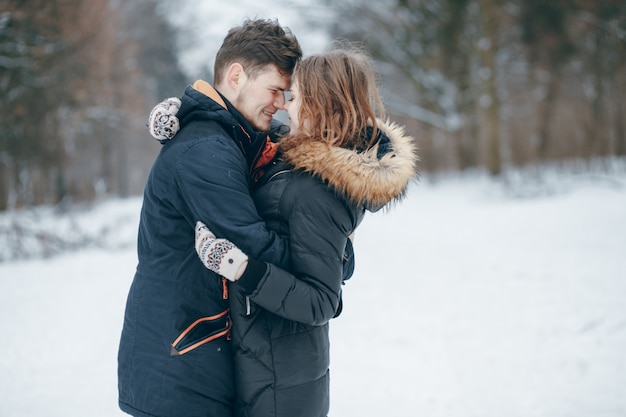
[[280, 102]]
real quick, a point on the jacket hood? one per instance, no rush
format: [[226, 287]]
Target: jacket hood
[[202, 102], [372, 178]]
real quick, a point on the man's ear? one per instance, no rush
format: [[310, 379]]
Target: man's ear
[[235, 76]]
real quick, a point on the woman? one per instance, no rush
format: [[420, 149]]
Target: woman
[[339, 160]]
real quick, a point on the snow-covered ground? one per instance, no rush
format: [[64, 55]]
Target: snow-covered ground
[[470, 299]]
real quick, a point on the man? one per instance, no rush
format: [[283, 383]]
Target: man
[[174, 358]]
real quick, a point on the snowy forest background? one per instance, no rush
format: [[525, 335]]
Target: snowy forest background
[[492, 84], [496, 289]]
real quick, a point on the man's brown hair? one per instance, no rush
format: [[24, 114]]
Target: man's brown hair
[[256, 44]]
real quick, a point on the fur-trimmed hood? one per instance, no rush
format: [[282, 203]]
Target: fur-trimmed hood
[[372, 178]]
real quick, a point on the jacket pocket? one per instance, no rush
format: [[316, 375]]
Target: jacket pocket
[[201, 331]]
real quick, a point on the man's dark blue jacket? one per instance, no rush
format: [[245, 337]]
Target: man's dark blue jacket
[[166, 364]]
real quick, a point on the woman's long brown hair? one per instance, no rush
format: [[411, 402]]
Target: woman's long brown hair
[[339, 99]]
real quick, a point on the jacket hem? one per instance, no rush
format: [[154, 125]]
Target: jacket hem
[[128, 409]]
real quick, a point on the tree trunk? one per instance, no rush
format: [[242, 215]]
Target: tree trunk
[[545, 111], [491, 104]]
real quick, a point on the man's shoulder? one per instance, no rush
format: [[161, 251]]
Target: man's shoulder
[[202, 130], [189, 151], [200, 137]]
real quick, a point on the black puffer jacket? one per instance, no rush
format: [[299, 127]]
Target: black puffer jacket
[[280, 328]]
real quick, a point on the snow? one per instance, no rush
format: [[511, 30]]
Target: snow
[[471, 298]]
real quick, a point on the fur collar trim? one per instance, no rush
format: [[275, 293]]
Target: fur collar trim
[[362, 177]]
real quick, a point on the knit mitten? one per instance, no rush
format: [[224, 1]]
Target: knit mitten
[[219, 255], [162, 122]]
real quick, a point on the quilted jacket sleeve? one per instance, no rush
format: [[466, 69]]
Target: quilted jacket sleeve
[[319, 223]]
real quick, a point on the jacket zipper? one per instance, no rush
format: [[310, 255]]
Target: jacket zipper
[[277, 174], [248, 308]]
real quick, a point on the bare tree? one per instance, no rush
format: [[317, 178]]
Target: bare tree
[[500, 81], [77, 80], [489, 101]]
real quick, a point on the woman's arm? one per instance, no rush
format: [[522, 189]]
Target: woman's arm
[[319, 225]]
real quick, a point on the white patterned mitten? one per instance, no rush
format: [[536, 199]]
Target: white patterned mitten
[[219, 255], [162, 122]]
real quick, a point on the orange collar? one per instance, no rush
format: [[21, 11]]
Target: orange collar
[[209, 91]]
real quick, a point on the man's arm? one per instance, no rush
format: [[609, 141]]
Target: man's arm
[[213, 178]]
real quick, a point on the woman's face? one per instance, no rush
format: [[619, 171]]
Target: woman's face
[[292, 106]]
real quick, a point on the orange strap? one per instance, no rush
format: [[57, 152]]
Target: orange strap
[[224, 289], [224, 332]]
